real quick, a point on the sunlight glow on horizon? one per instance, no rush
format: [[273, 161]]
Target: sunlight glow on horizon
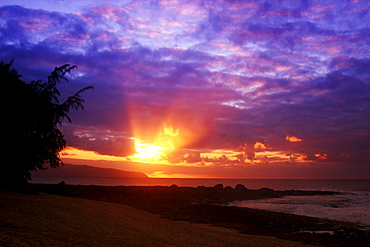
[[162, 174], [161, 146], [75, 153], [147, 152]]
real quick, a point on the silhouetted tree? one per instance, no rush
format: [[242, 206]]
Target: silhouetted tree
[[31, 114]]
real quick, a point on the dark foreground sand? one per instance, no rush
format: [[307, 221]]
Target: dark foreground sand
[[50, 220]]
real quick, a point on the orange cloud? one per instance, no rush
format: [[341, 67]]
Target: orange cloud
[[292, 139], [321, 156], [259, 145], [75, 153]]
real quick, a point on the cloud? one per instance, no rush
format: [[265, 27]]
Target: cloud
[[259, 145], [226, 74], [104, 142], [292, 138]]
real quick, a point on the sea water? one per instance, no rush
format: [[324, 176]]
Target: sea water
[[352, 205], [276, 184]]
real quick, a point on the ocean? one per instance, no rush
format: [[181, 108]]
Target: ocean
[[352, 205]]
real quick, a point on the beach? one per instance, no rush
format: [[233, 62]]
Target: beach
[[51, 220], [80, 215]]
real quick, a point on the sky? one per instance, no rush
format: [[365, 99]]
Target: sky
[[213, 89]]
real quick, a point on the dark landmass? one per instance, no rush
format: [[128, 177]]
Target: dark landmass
[[88, 171], [208, 205]]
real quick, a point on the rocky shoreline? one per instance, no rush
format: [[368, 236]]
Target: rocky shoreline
[[208, 205]]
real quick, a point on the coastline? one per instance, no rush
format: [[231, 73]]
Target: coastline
[[276, 184], [201, 206], [51, 220]]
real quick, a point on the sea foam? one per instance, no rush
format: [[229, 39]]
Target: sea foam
[[349, 206]]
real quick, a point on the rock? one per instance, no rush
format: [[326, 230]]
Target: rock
[[240, 187], [219, 186], [62, 183]]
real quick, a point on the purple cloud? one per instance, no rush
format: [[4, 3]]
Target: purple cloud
[[231, 73]]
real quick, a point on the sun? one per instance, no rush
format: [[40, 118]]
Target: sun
[[147, 152], [157, 151]]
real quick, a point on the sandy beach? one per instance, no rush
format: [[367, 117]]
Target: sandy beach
[[51, 220]]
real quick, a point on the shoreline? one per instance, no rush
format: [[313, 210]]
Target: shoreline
[[51, 220], [288, 184], [206, 206]]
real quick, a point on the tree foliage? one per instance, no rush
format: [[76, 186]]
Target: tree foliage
[[31, 114]]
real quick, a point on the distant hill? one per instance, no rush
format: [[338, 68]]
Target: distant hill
[[69, 170]]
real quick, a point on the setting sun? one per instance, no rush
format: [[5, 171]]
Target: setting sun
[[147, 152], [161, 146]]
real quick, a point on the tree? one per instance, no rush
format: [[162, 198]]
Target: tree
[[31, 114]]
